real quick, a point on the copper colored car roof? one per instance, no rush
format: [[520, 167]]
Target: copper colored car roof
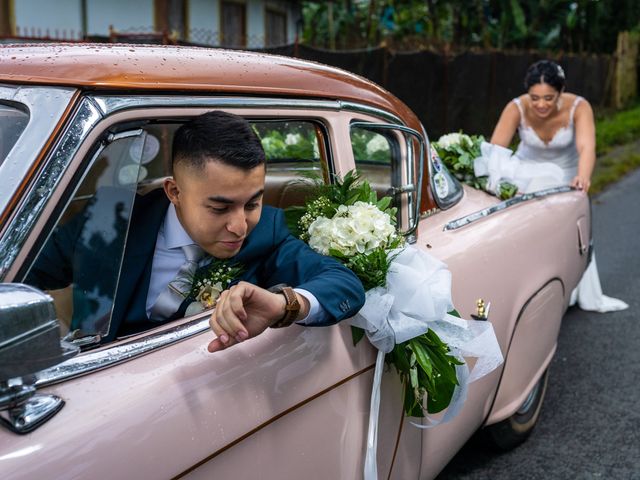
[[163, 68]]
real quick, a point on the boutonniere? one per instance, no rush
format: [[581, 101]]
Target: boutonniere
[[209, 282]]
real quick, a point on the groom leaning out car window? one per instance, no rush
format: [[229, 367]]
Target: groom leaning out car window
[[204, 239]]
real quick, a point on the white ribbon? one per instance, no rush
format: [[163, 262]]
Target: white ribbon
[[417, 298], [500, 164]]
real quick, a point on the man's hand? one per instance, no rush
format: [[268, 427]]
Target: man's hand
[[245, 311]]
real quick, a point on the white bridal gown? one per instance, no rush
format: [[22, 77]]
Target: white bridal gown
[[537, 165]]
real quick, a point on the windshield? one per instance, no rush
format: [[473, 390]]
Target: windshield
[[12, 123]]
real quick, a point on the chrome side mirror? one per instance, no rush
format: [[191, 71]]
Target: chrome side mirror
[[447, 190], [29, 342]]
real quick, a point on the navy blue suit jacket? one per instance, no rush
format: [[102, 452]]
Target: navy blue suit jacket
[[270, 255]]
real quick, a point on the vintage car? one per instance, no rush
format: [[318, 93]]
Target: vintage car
[[78, 120]]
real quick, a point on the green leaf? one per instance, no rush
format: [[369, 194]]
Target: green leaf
[[422, 356], [357, 334], [507, 190], [519, 18], [436, 402], [398, 358], [411, 406]]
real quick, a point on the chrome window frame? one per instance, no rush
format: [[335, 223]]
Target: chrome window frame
[[414, 186], [91, 111], [46, 106]]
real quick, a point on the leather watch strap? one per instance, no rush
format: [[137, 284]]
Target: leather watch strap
[[292, 307]]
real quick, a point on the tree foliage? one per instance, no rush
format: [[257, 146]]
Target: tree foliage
[[569, 25]]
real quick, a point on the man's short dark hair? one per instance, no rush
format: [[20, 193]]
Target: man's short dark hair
[[217, 136]]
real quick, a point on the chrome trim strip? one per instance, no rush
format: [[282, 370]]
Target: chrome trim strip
[[29, 211], [46, 106], [474, 217], [361, 108], [101, 359], [109, 105]]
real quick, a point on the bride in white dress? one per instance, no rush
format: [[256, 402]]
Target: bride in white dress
[[556, 129]]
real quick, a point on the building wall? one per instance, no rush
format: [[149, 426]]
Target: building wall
[[203, 18], [124, 15], [37, 15], [255, 23], [256, 11], [204, 21]]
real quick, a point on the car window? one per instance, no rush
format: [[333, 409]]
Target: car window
[[80, 262], [93, 231], [293, 150], [13, 121], [373, 153]]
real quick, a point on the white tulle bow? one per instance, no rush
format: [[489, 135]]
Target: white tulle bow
[[418, 291], [500, 164], [417, 298]]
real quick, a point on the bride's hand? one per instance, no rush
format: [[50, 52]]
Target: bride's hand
[[581, 183]]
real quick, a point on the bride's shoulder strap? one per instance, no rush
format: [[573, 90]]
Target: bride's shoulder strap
[[519, 105], [577, 100]]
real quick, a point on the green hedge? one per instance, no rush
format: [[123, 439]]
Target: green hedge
[[618, 142], [617, 129]]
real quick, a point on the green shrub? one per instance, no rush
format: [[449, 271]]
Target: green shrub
[[617, 129]]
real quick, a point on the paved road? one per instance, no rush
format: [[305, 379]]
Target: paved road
[[590, 421]]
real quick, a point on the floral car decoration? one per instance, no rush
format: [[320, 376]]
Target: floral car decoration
[[458, 152], [346, 220], [408, 292]]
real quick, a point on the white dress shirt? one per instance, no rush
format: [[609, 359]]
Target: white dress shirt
[[168, 257]]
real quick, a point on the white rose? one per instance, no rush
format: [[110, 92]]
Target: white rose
[[358, 228], [320, 235]]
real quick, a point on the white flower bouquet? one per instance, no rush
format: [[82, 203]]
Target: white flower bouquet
[[458, 152]]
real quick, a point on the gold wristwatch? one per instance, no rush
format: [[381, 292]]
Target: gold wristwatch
[[291, 309]]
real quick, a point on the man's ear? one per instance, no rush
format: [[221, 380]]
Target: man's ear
[[171, 189]]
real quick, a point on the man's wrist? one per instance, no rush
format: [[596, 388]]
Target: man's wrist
[[292, 306]]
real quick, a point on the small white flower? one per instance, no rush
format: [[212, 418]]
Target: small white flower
[[451, 139]]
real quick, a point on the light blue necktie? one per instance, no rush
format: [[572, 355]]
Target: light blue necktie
[[171, 298]]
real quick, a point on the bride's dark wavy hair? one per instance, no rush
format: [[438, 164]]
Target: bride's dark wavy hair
[[545, 71]]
